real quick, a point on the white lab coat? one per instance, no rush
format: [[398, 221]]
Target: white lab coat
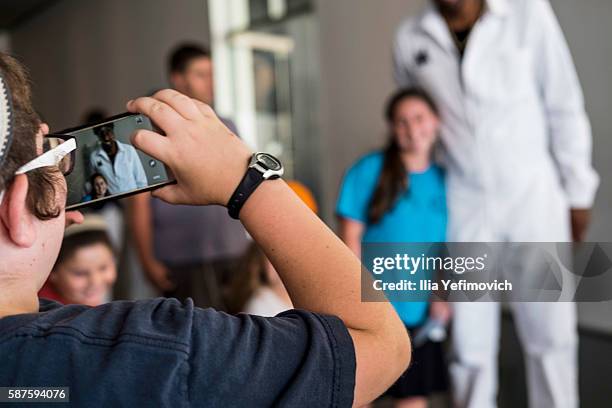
[[125, 175], [516, 143], [516, 139]]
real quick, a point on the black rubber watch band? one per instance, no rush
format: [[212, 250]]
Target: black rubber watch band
[[252, 178]]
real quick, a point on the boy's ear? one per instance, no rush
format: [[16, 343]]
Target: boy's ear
[[16, 217]]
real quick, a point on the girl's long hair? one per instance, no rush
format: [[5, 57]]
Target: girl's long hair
[[393, 180]]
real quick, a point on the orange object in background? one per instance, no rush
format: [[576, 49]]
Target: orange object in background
[[305, 194]]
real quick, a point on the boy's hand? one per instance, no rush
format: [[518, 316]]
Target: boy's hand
[[158, 274], [580, 218], [207, 160]]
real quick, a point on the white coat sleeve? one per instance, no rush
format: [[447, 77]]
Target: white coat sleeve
[[568, 124], [138, 170]]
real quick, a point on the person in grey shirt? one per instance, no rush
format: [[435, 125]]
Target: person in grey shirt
[[187, 251]]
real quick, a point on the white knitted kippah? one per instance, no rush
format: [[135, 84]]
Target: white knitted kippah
[[91, 222], [6, 119]]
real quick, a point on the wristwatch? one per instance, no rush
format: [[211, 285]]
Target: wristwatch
[[263, 166]]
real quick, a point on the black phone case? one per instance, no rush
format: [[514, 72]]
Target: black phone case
[[122, 195]]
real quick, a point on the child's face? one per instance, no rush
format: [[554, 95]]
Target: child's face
[[86, 277], [415, 126], [100, 186]]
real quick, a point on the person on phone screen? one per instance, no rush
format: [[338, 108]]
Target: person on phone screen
[[117, 162], [99, 188]]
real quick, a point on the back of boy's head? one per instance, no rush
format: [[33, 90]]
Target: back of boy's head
[[21, 148], [22, 144]]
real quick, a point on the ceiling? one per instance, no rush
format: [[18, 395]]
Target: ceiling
[[14, 12]]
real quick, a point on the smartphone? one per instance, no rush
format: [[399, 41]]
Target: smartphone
[[108, 167]]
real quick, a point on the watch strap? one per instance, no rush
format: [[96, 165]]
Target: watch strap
[[251, 180]]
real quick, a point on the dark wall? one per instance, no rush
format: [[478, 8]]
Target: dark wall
[[86, 53]]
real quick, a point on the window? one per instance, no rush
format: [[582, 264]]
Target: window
[[255, 47]]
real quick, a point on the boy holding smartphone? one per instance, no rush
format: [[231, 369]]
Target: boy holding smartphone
[[184, 354], [188, 251]]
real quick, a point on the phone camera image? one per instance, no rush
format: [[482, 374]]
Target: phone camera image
[[107, 165]]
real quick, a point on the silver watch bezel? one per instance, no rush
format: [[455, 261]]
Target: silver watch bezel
[[265, 172]]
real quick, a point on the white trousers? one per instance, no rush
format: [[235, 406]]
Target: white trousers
[[548, 334]]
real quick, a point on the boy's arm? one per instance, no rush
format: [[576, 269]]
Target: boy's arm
[[321, 274], [351, 232]]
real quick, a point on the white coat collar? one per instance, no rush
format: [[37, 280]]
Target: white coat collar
[[101, 152], [498, 7], [433, 23]]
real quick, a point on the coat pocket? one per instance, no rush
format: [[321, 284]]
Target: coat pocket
[[509, 76]]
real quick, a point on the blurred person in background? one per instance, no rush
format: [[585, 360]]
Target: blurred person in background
[[85, 270], [256, 287], [94, 115], [398, 195], [516, 146], [188, 251]]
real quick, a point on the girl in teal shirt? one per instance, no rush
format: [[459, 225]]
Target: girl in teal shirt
[[398, 195]]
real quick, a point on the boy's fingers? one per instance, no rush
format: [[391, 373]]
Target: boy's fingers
[[153, 144], [204, 109], [74, 217], [159, 112], [179, 102], [44, 129], [171, 194]]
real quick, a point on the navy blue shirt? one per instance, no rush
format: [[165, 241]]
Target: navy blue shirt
[[165, 353]]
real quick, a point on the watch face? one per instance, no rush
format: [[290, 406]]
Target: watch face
[[268, 161]]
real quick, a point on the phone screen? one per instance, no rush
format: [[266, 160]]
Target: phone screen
[[107, 166]]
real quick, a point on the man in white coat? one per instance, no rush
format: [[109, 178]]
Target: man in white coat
[[516, 143]]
